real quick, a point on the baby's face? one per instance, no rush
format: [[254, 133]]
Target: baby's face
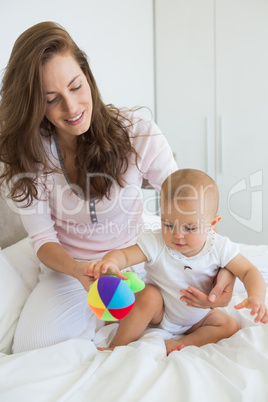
[[185, 227]]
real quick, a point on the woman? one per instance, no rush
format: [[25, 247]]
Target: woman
[[75, 167]]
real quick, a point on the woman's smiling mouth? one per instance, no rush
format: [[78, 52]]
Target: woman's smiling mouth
[[75, 120]]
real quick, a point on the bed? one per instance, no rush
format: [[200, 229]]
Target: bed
[[235, 369]]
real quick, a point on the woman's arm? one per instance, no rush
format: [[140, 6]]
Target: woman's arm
[[54, 256], [219, 296], [156, 159]]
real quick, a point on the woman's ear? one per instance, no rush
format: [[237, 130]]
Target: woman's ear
[[215, 221]]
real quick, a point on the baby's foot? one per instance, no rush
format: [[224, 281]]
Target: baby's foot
[[172, 345], [104, 349]]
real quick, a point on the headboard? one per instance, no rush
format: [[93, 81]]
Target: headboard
[[11, 228]]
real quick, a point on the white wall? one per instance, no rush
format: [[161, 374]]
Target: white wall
[[117, 36]]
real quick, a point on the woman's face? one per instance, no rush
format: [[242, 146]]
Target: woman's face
[[68, 94]]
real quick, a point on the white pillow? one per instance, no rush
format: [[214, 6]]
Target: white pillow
[[13, 294], [19, 268], [22, 256]]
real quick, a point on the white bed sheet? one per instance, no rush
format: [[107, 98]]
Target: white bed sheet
[[235, 369]]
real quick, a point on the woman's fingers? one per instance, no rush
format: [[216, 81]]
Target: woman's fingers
[[194, 297]]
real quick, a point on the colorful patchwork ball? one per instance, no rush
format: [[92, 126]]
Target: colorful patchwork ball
[[111, 298]]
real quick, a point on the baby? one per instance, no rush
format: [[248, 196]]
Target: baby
[[185, 252]]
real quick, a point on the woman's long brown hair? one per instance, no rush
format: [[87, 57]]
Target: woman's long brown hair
[[103, 151]]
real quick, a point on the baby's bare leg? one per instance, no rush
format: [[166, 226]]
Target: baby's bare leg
[[215, 326], [148, 309]]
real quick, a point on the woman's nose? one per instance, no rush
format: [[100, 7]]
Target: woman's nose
[[69, 105]]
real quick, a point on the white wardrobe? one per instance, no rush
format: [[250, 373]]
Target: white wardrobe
[[212, 101]]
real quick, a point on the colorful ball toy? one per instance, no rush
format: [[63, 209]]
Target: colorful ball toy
[[112, 298]]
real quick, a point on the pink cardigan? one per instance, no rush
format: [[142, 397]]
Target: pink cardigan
[[89, 229]]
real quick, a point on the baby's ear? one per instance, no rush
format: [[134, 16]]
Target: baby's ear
[[215, 221]]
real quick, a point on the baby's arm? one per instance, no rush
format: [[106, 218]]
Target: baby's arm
[[116, 260], [254, 284]]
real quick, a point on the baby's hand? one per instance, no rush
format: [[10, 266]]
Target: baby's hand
[[99, 268], [257, 306]]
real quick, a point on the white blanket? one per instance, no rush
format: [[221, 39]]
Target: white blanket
[[235, 369]]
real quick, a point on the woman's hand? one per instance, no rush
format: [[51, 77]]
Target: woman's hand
[[80, 273], [219, 296], [88, 272]]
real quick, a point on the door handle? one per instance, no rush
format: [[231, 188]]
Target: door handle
[[222, 153]]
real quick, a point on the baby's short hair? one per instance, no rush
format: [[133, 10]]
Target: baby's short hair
[[191, 184]]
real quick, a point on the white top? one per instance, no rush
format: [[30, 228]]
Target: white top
[[89, 229], [171, 271]]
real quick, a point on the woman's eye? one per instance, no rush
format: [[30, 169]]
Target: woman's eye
[[50, 101], [76, 88]]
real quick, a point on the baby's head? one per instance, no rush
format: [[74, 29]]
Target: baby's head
[[189, 202]]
